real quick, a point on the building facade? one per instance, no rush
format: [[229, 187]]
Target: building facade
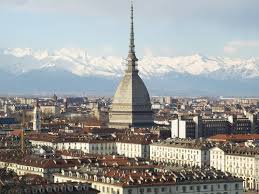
[[181, 152], [239, 161], [174, 182], [131, 146]]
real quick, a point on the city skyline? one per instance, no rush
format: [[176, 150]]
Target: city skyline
[[179, 121]]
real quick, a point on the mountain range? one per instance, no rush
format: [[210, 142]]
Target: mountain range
[[74, 71]]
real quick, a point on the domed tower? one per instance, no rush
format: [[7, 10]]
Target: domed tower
[[131, 105]]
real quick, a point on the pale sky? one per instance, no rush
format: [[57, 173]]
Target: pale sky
[[163, 27]]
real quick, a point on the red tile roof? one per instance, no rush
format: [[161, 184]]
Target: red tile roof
[[234, 137]]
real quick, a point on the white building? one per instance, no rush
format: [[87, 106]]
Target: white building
[[186, 128], [182, 152], [240, 161], [133, 148], [99, 147], [89, 146], [129, 147]]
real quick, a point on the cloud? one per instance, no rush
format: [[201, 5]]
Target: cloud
[[13, 2], [231, 10], [235, 46]]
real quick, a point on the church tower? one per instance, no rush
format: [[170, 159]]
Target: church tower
[[36, 118], [131, 105]]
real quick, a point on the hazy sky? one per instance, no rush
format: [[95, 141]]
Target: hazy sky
[[163, 27]]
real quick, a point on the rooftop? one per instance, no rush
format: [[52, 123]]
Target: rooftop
[[234, 137], [128, 178], [185, 143]]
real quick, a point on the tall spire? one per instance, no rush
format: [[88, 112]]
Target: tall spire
[[132, 44], [132, 59]]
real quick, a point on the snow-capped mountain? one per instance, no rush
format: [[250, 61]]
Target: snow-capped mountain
[[78, 62], [34, 68]]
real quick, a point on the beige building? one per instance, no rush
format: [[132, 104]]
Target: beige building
[[50, 109], [30, 101]]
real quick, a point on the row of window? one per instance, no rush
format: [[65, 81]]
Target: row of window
[[205, 187], [173, 149], [176, 156]]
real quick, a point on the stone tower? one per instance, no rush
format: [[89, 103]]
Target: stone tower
[[36, 118], [131, 105]]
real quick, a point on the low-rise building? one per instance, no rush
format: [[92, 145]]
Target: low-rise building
[[129, 145], [133, 147], [149, 182], [38, 166], [181, 152], [241, 161], [11, 183]]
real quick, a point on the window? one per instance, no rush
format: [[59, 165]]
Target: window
[[198, 188], [225, 187], [149, 190], [184, 189], [130, 191]]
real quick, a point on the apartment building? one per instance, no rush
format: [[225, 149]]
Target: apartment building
[[116, 181], [181, 152], [241, 161]]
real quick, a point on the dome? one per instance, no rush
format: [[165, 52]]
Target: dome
[[132, 93], [131, 105]]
